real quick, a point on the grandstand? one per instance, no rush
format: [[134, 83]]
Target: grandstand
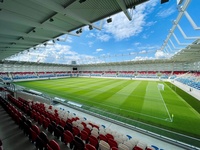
[[78, 118]]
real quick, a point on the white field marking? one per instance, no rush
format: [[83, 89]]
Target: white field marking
[[165, 106], [123, 109], [191, 108]]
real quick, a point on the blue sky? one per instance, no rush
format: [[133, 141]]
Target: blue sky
[[120, 40]]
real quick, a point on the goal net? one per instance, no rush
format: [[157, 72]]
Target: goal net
[[161, 86]]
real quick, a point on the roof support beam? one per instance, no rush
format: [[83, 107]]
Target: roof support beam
[[184, 44], [180, 15], [191, 21], [123, 7], [64, 11], [16, 33], [184, 35], [19, 19]]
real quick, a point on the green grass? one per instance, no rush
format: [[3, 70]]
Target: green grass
[[133, 100]]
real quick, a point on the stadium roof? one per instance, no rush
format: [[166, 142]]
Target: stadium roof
[[28, 23], [33, 30]]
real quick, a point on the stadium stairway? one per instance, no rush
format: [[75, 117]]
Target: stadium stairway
[[13, 138]]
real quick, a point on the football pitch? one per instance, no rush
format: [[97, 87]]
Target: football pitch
[[129, 101]]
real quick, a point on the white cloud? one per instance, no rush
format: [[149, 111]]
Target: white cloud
[[55, 54], [90, 35], [151, 23], [160, 54], [122, 28], [143, 52], [90, 43], [103, 37], [136, 43], [143, 58], [99, 50], [167, 12]]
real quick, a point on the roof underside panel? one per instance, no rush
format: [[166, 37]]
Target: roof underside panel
[[26, 23]]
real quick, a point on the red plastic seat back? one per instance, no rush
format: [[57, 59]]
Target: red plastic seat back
[[54, 145], [112, 143], [89, 147], [93, 141], [68, 137]]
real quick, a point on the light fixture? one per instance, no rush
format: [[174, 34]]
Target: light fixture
[[51, 20], [81, 1], [90, 27], [109, 20], [164, 1]]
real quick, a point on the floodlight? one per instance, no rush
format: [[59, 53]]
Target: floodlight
[[109, 20], [90, 27], [81, 1], [164, 1], [51, 20]]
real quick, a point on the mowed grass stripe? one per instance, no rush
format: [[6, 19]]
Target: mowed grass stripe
[[87, 88], [101, 89], [73, 84], [153, 101], [119, 97], [108, 91], [135, 101]]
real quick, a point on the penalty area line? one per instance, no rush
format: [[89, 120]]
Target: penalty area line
[[171, 118]]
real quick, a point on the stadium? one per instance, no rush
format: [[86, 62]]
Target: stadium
[[125, 98]]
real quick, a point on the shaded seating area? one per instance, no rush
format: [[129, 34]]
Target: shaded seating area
[[48, 127]]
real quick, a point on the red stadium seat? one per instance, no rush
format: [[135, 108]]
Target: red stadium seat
[[112, 143], [76, 131], [93, 141], [68, 138], [103, 137], [89, 147], [84, 135], [53, 145], [34, 132]]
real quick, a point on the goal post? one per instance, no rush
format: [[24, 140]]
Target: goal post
[[161, 86]]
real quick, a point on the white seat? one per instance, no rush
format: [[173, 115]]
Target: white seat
[[129, 145], [142, 145], [94, 128], [119, 140], [133, 141], [95, 133], [80, 126], [89, 126], [104, 145], [123, 147]]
